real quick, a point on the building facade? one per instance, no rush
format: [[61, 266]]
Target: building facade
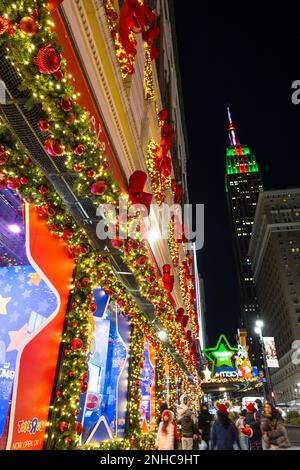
[[92, 111], [275, 254], [243, 183]]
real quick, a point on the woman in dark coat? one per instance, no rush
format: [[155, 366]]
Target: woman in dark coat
[[224, 433], [204, 423]]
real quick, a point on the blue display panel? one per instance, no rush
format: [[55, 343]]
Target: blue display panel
[[147, 378], [103, 407], [26, 302]]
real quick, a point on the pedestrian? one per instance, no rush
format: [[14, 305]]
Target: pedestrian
[[224, 434], [187, 421], [204, 423], [240, 424], [259, 407], [162, 408], [166, 434], [273, 429], [252, 428]]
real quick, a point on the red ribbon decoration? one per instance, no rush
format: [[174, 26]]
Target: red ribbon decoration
[[137, 195], [168, 281], [135, 18]]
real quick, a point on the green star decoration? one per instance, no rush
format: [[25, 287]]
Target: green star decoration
[[221, 354]]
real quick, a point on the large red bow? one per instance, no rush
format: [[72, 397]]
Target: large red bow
[[137, 195], [134, 17]]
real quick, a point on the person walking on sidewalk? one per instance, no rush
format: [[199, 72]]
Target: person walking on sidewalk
[[252, 428], [189, 429], [204, 424], [224, 434], [167, 432], [273, 429], [240, 424]]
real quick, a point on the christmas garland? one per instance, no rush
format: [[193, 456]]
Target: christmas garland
[[173, 244], [92, 270], [66, 127]]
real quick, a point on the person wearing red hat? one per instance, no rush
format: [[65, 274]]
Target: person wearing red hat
[[252, 428], [224, 433]]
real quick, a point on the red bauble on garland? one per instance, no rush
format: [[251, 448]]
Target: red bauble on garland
[[70, 119], [76, 344], [47, 60], [65, 104], [78, 428], [79, 149], [59, 75], [53, 147], [141, 260], [4, 24], [53, 4], [28, 25], [99, 188], [43, 125], [63, 426], [83, 387], [3, 158], [117, 243], [42, 189]]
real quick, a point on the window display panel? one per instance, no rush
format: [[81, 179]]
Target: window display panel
[[103, 407]]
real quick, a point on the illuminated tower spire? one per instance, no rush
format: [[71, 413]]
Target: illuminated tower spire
[[234, 141]]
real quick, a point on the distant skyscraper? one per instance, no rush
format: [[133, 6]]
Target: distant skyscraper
[[275, 254], [243, 185]]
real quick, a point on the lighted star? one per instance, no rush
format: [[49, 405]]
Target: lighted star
[[3, 302], [221, 354], [35, 279], [18, 338]]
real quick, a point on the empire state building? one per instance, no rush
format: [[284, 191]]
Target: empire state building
[[243, 182]]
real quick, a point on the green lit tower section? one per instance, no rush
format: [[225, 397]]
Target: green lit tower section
[[243, 183]]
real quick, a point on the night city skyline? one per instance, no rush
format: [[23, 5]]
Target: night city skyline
[[253, 73]]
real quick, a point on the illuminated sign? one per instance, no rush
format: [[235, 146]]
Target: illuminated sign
[[228, 362]]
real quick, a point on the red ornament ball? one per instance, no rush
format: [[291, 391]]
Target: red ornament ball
[[42, 189], [4, 24], [54, 147], [99, 188], [92, 307], [63, 426], [53, 4], [83, 387], [70, 119], [43, 125], [28, 26], [65, 104], [23, 180], [78, 428], [91, 173], [71, 374], [77, 167], [3, 157], [59, 75], [58, 393], [116, 243], [79, 150], [76, 344], [105, 165], [141, 260], [47, 60]]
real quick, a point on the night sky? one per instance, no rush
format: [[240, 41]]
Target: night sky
[[250, 64]]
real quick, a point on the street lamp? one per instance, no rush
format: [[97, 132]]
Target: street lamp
[[259, 324]]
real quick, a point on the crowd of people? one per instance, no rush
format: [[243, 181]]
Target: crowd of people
[[256, 427]]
